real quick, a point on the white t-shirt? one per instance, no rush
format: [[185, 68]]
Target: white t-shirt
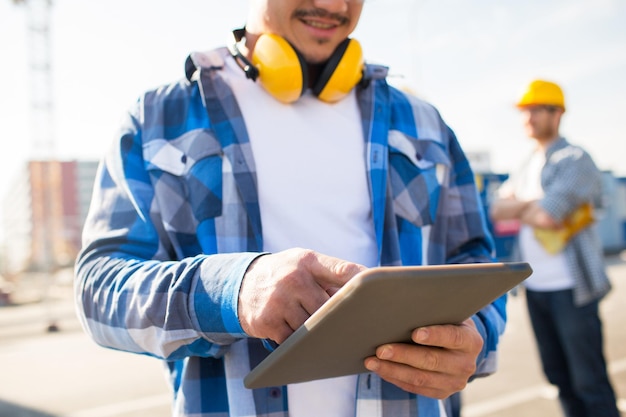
[[313, 193], [550, 272]]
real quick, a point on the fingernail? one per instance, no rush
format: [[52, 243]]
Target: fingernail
[[385, 353], [421, 335], [372, 364]]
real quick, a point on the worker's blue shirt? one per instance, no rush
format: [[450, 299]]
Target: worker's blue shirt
[[175, 222]]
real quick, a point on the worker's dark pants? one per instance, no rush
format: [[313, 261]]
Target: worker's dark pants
[[570, 343]]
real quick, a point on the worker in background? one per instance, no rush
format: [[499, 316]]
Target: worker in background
[[554, 195]]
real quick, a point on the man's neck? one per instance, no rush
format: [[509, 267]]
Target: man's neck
[[544, 144], [313, 72]]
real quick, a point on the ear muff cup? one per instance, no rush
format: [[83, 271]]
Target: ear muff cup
[[282, 69], [342, 72]]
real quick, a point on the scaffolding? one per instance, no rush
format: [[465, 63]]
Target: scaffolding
[[42, 131], [40, 75]]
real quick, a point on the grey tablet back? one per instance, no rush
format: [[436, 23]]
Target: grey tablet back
[[378, 306]]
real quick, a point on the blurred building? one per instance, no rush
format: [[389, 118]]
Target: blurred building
[[44, 211]]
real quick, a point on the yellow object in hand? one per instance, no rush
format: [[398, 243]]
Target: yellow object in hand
[[554, 240]]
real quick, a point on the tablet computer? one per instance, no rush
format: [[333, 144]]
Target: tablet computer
[[382, 305]]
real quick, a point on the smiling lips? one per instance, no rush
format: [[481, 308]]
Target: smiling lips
[[320, 18], [319, 25]]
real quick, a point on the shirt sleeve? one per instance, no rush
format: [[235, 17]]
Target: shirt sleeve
[[132, 292], [490, 323], [571, 178], [462, 218]]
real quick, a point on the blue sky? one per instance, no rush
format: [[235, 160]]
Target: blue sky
[[469, 58]]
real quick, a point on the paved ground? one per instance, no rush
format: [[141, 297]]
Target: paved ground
[[64, 374]]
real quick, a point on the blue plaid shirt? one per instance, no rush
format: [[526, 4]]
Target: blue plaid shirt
[[570, 178], [175, 222]]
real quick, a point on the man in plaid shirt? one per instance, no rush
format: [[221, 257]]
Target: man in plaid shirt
[[232, 205]]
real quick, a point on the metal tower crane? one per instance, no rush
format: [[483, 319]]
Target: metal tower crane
[[40, 68], [44, 177]]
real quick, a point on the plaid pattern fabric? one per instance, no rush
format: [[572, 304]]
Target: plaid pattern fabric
[[569, 179], [175, 222]]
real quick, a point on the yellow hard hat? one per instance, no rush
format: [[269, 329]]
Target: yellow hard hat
[[541, 92]]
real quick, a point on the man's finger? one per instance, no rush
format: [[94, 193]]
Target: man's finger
[[463, 336], [329, 271], [297, 317]]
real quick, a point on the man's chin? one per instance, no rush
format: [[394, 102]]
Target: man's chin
[[316, 57]]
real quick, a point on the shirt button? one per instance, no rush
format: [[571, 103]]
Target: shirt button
[[275, 392]]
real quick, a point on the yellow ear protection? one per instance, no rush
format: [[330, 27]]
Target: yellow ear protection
[[282, 71]]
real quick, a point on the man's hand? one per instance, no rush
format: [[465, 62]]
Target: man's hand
[[438, 365], [536, 216], [280, 291], [509, 208], [529, 212]]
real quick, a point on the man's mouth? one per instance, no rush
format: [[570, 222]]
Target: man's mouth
[[318, 25], [320, 18]]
